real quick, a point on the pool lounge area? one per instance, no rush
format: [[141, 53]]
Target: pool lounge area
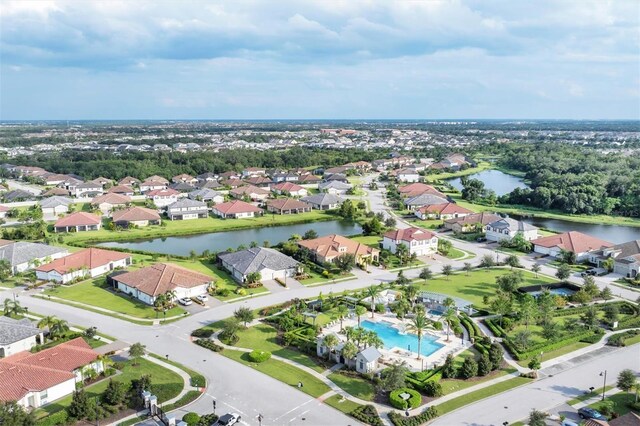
[[393, 338], [560, 289]]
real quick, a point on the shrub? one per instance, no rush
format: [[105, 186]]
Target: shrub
[[208, 419], [367, 414], [259, 356], [206, 343], [484, 365], [414, 398], [449, 369], [400, 420], [620, 338], [433, 389], [202, 332], [55, 419], [191, 419], [469, 368]]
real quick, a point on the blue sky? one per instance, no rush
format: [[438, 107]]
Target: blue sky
[[138, 59]]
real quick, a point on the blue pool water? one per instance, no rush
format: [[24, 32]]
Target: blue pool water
[[434, 312], [559, 291], [392, 338]]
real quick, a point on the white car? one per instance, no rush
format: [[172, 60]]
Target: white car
[[228, 419], [202, 297], [185, 301]]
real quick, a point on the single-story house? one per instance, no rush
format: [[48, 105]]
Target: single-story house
[[207, 195], [23, 255], [17, 195], [309, 179], [249, 191], [53, 178], [149, 185], [207, 177], [233, 183], [337, 177], [626, 257], [102, 181], [61, 192], [86, 263], [259, 181], [186, 208], [442, 211], [572, 241], [158, 179], [78, 221], [129, 181], [182, 187], [475, 222], [407, 175], [328, 248], [287, 206], [254, 171], [236, 209], [18, 335], [88, 189], [289, 188], [230, 175], [122, 190], [270, 263], [146, 284], [507, 228], [417, 240], [334, 187], [365, 361], [34, 380], [285, 177], [138, 216], [323, 201], [55, 206], [107, 202], [163, 197], [426, 199], [184, 178], [209, 184]]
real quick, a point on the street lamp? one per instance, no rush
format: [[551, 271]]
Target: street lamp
[[214, 406], [604, 382]]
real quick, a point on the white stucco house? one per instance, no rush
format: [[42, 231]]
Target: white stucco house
[[507, 228], [417, 240], [23, 255], [87, 263], [270, 263], [18, 335], [572, 241], [365, 361]]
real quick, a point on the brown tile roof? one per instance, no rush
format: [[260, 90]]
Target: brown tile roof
[[134, 214], [288, 204], [309, 178], [482, 218], [287, 187], [629, 419], [88, 258], [162, 193], [233, 183], [157, 179], [120, 189], [418, 186], [182, 178], [112, 198], [236, 206], [573, 241], [248, 190], [162, 277], [447, 208], [409, 234], [257, 180], [128, 181], [78, 219], [329, 246], [56, 191]]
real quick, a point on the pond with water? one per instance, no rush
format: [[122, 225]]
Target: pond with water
[[499, 182], [220, 241]]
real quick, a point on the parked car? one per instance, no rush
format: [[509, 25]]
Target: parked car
[[228, 419], [590, 413], [202, 297], [185, 301], [481, 239]]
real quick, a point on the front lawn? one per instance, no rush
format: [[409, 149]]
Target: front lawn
[[471, 397], [341, 404], [370, 240], [621, 402], [354, 385]]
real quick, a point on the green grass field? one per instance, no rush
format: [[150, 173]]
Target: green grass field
[[344, 405], [353, 385], [620, 401], [474, 396]]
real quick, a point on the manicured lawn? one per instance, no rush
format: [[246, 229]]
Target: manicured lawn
[[455, 253], [589, 395], [472, 397], [95, 293], [12, 282], [196, 378], [621, 402], [354, 385], [479, 283], [283, 372], [165, 384], [370, 240], [454, 385], [316, 278], [546, 356], [344, 405]]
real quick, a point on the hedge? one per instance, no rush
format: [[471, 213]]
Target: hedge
[[620, 338], [202, 332], [418, 379], [544, 347], [367, 414], [55, 419], [191, 419], [495, 328], [628, 323], [209, 344], [400, 420], [433, 389], [259, 356], [414, 398]]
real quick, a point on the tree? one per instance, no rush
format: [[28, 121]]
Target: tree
[[549, 330], [546, 305], [372, 291], [484, 365], [349, 351], [608, 264], [510, 282], [534, 365], [230, 330], [13, 414], [606, 293], [347, 210], [411, 292], [343, 312], [626, 380], [590, 317], [450, 317], [528, 309], [5, 269], [418, 326], [611, 313], [513, 261], [79, 408], [469, 368], [467, 267], [58, 328], [330, 341], [563, 272], [47, 322], [535, 268], [244, 315], [487, 261], [444, 246], [449, 370], [495, 355], [310, 234], [360, 310], [402, 280], [373, 227], [523, 339], [253, 277], [402, 251], [447, 270], [345, 262], [425, 274], [393, 377], [589, 285], [115, 393], [390, 222], [501, 305], [537, 418], [137, 351]]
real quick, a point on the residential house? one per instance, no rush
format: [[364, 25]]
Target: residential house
[[23, 255], [209, 184], [55, 206], [186, 208], [34, 380], [334, 187], [207, 177], [122, 190], [88, 189], [182, 187], [150, 185], [475, 222], [442, 211], [328, 248], [626, 258], [18, 195], [129, 181], [254, 171], [507, 228], [365, 361], [236, 209], [102, 181], [259, 181], [337, 177], [407, 175], [418, 241], [233, 183], [110, 201], [53, 178], [309, 179], [184, 178], [419, 188], [251, 192], [61, 192], [287, 206], [18, 336], [285, 177], [206, 195], [136, 216], [146, 284], [415, 203], [78, 221], [230, 175], [86, 263], [291, 189], [323, 201], [270, 263], [573, 241], [158, 179], [452, 162], [333, 170], [163, 197]]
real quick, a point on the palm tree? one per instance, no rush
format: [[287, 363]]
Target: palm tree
[[171, 295], [47, 322], [349, 333], [372, 292], [161, 301], [371, 338], [360, 310], [7, 306], [418, 326], [411, 292], [16, 308], [330, 341], [58, 328], [535, 268], [349, 351], [343, 311], [450, 318]]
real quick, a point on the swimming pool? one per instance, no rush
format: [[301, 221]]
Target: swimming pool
[[560, 291], [434, 312], [392, 338]]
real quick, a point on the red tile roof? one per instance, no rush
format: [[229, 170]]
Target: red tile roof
[[78, 219], [249, 190], [162, 277], [88, 258], [573, 241], [446, 208], [418, 186], [237, 206], [287, 187], [162, 193], [135, 214], [329, 246], [409, 234], [121, 189]]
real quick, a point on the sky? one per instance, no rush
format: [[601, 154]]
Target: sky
[[293, 59]]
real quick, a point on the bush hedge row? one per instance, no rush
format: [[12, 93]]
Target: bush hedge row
[[400, 420], [206, 343], [418, 379], [414, 399], [367, 414], [202, 332], [55, 419], [259, 356], [620, 338], [545, 347]]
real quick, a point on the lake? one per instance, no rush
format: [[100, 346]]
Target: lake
[[499, 182], [220, 241]]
